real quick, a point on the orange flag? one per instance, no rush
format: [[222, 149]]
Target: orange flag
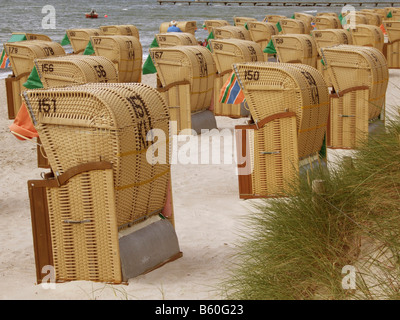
[[23, 125]]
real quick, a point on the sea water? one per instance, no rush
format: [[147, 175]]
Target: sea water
[[146, 15]]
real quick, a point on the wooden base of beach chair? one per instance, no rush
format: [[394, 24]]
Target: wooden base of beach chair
[[42, 161], [14, 87], [391, 51], [267, 156], [349, 125], [75, 230], [178, 100]]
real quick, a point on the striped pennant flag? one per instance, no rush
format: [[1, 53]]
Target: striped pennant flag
[[5, 60], [231, 92]]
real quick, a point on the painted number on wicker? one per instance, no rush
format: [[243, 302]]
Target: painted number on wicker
[[13, 50], [202, 65], [101, 73], [251, 75], [141, 112], [48, 51], [313, 87], [46, 105], [47, 67]]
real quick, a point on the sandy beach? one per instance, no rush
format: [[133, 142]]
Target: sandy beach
[[208, 219]]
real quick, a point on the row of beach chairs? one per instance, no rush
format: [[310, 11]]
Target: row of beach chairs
[[104, 211]]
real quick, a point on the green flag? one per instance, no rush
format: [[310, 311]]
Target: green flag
[[245, 25], [389, 15], [210, 36], [33, 81], [278, 25], [65, 41], [89, 49], [343, 20], [17, 37], [148, 66], [293, 17], [270, 48], [323, 62]]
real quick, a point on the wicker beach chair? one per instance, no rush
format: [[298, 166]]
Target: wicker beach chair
[[185, 26], [368, 35], [296, 48], [307, 19], [226, 53], [122, 30], [331, 37], [124, 51], [353, 69], [80, 38], [328, 38], [323, 22], [101, 204], [373, 18], [332, 14], [171, 39], [273, 18], [241, 21], [75, 69], [289, 105], [187, 75], [22, 55], [210, 24], [293, 26], [261, 33], [231, 32], [392, 47]]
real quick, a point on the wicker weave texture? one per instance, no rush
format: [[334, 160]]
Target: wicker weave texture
[[22, 54], [275, 157], [107, 121], [231, 32], [272, 88], [296, 48], [171, 39], [354, 66], [80, 38], [348, 124], [193, 64], [307, 19], [83, 228], [124, 51], [122, 30], [75, 69]]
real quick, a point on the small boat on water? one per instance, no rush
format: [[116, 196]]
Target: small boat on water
[[92, 15]]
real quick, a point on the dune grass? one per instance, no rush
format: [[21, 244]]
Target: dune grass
[[297, 247]]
